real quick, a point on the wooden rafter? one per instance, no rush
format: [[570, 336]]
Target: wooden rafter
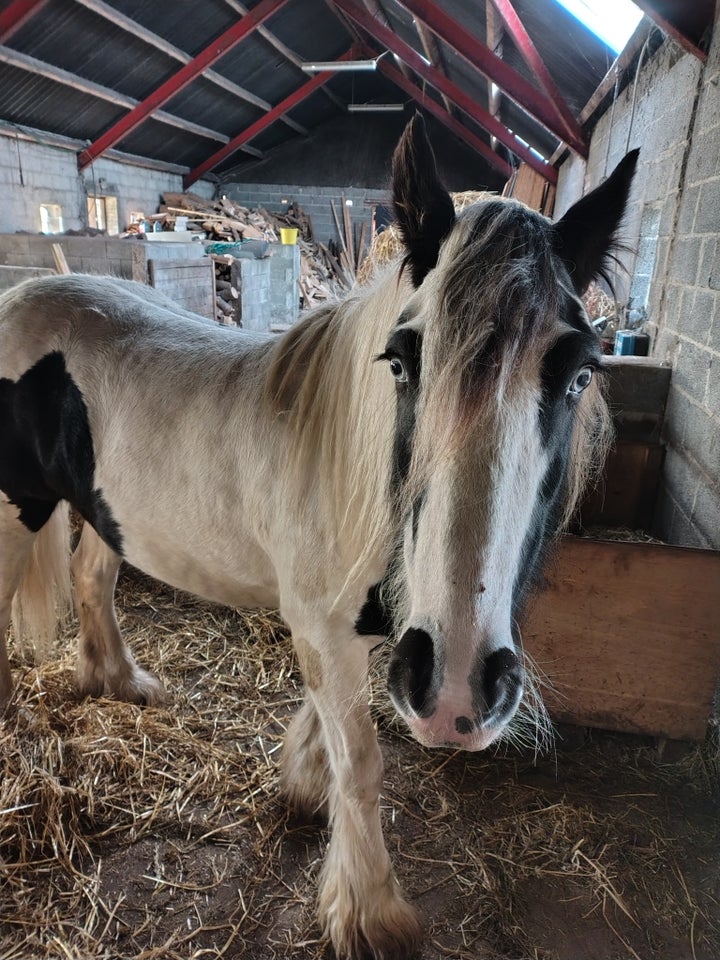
[[255, 128], [131, 26], [178, 81], [23, 61], [283, 50]]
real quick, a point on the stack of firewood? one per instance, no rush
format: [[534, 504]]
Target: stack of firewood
[[227, 295], [325, 272]]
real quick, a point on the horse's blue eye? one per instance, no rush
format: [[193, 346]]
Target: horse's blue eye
[[581, 381], [398, 370]]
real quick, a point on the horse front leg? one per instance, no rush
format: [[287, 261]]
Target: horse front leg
[[360, 904]]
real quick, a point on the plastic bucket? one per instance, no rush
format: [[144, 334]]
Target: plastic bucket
[[288, 235]]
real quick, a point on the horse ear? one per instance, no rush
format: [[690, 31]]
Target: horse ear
[[423, 207], [586, 235]]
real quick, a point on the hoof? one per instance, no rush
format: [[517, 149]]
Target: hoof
[[133, 685], [384, 927]]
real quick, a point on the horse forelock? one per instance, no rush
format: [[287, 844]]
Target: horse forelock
[[502, 297]]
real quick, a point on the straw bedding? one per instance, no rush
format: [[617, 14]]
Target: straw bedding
[[158, 834]]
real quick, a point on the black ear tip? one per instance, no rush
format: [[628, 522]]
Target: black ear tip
[[626, 168], [415, 131]]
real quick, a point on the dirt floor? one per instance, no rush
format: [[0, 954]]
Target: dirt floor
[[158, 834]]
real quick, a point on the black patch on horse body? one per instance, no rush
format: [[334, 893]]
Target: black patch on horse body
[[46, 449], [375, 618]]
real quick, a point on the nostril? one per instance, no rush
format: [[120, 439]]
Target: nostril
[[411, 671], [502, 680], [464, 725]]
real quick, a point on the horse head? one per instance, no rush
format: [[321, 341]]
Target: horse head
[[499, 418]]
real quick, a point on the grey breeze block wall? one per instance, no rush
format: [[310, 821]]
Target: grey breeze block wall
[[33, 173], [315, 201], [675, 217], [21, 254]]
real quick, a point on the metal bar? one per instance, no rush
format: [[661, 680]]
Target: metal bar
[[16, 16], [203, 61], [255, 128], [441, 83], [671, 29], [479, 146], [534, 101], [25, 62], [523, 41]]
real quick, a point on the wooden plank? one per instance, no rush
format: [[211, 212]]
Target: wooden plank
[[529, 187], [349, 245], [61, 263], [189, 283], [628, 635]]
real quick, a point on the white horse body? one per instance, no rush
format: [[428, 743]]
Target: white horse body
[[296, 472]]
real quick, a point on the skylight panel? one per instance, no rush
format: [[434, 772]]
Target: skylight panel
[[613, 21]]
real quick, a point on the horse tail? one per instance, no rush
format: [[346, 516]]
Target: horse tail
[[44, 595]]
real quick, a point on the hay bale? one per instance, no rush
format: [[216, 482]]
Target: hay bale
[[386, 246]]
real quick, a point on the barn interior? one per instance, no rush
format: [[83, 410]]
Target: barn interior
[[237, 157]]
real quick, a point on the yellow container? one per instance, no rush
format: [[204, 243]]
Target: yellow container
[[288, 235]]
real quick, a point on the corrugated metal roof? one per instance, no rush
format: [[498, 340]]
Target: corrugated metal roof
[[130, 47]]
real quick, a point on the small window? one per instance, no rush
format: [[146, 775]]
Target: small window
[[103, 214], [51, 220]]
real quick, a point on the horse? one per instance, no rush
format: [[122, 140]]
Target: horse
[[394, 465]]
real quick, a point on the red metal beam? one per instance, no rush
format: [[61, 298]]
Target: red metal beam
[[255, 128], [538, 104], [405, 52], [522, 40], [478, 145], [672, 29], [16, 15], [174, 84]]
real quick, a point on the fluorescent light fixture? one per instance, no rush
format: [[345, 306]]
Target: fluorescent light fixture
[[376, 107], [317, 66], [613, 21]]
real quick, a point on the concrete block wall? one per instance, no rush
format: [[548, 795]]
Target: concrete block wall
[[33, 173], [103, 255], [284, 290], [315, 201], [674, 117], [252, 278]]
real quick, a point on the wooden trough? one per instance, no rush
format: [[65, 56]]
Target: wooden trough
[[628, 635]]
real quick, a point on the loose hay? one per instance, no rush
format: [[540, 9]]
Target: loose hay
[[386, 246], [158, 834]]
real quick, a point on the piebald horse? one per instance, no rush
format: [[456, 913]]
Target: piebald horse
[[394, 465]]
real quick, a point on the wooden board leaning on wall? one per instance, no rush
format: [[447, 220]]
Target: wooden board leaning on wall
[[628, 635]]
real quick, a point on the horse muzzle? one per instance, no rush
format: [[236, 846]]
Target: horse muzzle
[[464, 711]]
